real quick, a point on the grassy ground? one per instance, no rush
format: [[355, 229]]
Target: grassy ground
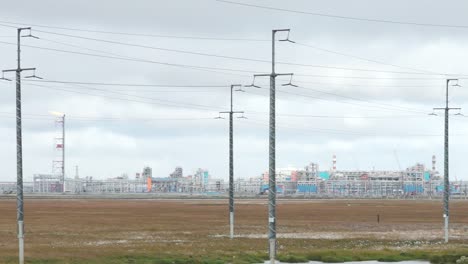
[[194, 231]]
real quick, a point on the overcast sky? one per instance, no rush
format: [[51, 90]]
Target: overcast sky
[[374, 116]]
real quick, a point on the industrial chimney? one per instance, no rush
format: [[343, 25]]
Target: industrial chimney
[[334, 162]]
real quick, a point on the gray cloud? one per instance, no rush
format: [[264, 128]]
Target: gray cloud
[[109, 148]]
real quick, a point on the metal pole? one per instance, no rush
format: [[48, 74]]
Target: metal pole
[[231, 171], [19, 145], [446, 160], [63, 153], [231, 113], [272, 143], [272, 159], [446, 168], [19, 157]]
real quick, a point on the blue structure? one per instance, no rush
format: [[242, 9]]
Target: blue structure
[[427, 176], [453, 189], [279, 188], [412, 188], [324, 175], [306, 188]]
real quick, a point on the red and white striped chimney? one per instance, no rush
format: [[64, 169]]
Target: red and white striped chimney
[[334, 162]]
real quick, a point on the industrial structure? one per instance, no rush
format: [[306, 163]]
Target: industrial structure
[[412, 182], [309, 181], [58, 164]]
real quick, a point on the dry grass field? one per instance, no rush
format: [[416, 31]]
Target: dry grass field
[[175, 231]]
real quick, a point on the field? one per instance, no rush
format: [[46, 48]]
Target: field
[[176, 231]]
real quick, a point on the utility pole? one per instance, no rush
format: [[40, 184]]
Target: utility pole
[[19, 144], [272, 143], [63, 153], [446, 159], [231, 159]]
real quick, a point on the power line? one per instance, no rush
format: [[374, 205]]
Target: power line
[[102, 118], [378, 106], [364, 85], [374, 104], [162, 101], [363, 100], [81, 47], [90, 118], [131, 84], [193, 89], [230, 70], [213, 86], [350, 103], [218, 69], [147, 47], [343, 17], [135, 34], [256, 112], [419, 71], [223, 56], [201, 107], [193, 67], [354, 69], [339, 117], [159, 102], [365, 59], [307, 129], [369, 78]]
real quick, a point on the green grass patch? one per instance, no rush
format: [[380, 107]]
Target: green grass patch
[[328, 256]]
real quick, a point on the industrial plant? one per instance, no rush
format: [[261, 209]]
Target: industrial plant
[[310, 181]]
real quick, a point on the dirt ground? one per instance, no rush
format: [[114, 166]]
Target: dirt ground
[[91, 228]]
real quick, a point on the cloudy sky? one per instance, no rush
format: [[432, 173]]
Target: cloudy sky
[[365, 87]]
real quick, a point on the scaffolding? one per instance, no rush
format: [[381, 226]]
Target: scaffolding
[[332, 188]]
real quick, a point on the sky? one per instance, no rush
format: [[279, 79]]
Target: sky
[[141, 83]]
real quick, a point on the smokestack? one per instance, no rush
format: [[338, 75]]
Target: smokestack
[[433, 163], [334, 162]]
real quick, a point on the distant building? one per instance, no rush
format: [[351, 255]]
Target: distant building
[[178, 173], [310, 172], [201, 178], [147, 173]]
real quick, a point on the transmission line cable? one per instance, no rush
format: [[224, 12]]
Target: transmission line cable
[[363, 100], [226, 57], [214, 69], [130, 84], [193, 67], [377, 106], [91, 118], [343, 17], [134, 34], [293, 127], [164, 103], [419, 71]]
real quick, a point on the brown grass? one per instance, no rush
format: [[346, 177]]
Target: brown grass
[[68, 229]]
